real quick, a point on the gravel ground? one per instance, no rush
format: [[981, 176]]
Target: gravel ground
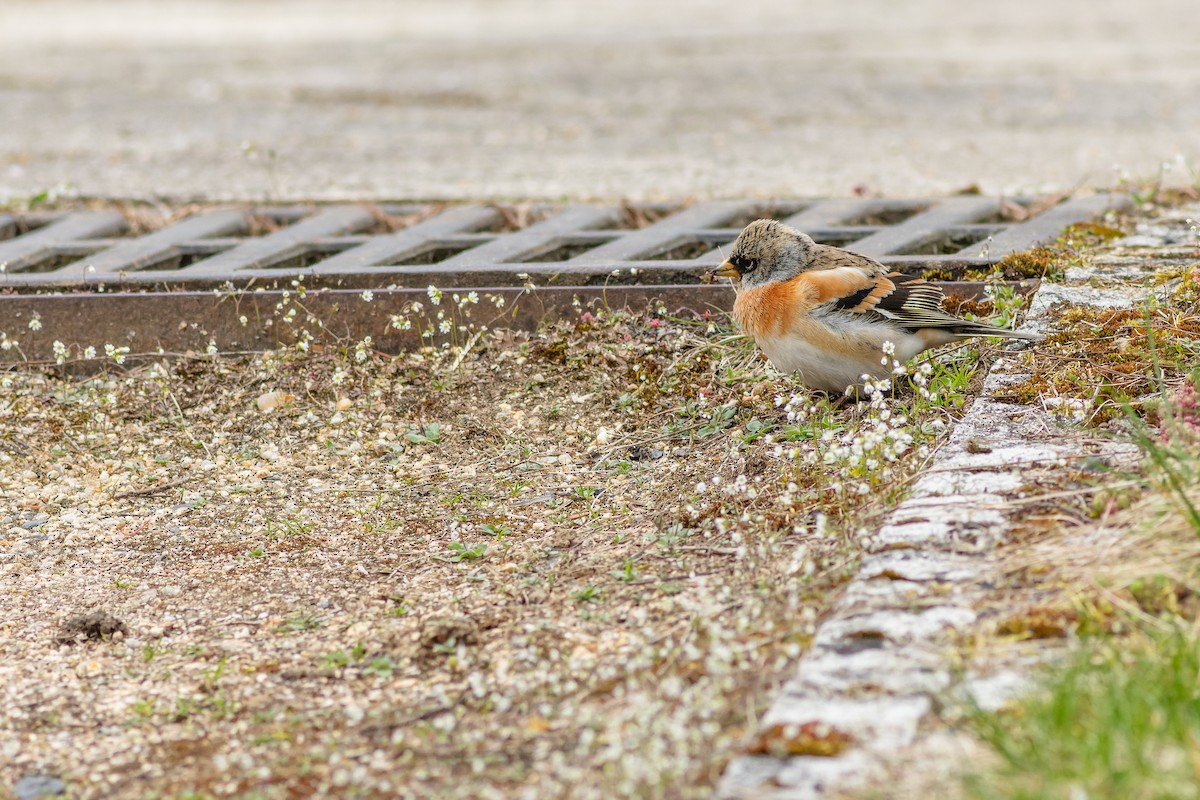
[[406, 576]]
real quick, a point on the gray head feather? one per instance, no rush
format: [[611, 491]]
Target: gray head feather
[[767, 251]]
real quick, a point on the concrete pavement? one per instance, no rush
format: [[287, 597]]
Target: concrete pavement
[[543, 99]]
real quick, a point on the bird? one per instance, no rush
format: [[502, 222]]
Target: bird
[[827, 313]]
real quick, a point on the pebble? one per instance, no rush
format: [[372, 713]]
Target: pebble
[[30, 787], [645, 454]]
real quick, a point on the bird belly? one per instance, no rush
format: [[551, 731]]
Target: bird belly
[[817, 366], [832, 357]]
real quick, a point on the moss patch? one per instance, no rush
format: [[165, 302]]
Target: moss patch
[[1103, 357]]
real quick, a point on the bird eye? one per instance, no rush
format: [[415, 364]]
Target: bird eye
[[744, 264]]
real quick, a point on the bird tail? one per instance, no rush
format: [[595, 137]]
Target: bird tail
[[980, 329]]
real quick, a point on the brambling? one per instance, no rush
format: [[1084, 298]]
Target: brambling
[[826, 313]]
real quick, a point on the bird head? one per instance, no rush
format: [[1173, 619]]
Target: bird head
[[766, 251]]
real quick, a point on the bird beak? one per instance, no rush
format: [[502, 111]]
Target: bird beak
[[726, 270]]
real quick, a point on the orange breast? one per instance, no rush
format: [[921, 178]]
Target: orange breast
[[766, 311]]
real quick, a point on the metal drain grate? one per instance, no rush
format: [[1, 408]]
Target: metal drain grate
[[94, 277], [477, 246]]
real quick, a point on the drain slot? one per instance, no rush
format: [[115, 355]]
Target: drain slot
[[954, 240], [434, 254]]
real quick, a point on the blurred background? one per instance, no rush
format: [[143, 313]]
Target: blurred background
[[283, 99]]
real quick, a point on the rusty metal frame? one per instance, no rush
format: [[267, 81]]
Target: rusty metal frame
[[149, 323]]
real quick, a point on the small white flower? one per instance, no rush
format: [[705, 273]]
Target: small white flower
[[35, 324], [889, 349], [117, 354], [362, 350], [242, 319], [367, 295], [338, 378], [435, 294], [89, 352], [444, 326], [473, 298], [212, 347], [60, 352]]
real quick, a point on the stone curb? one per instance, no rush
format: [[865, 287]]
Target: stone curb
[[885, 654]]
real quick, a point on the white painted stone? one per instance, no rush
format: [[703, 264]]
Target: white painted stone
[[956, 525], [1010, 457], [919, 566], [877, 723], [883, 594], [747, 776], [929, 625], [1001, 380], [1051, 294], [1111, 269], [1139, 240], [811, 777], [915, 507], [958, 483], [892, 670], [911, 535]]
